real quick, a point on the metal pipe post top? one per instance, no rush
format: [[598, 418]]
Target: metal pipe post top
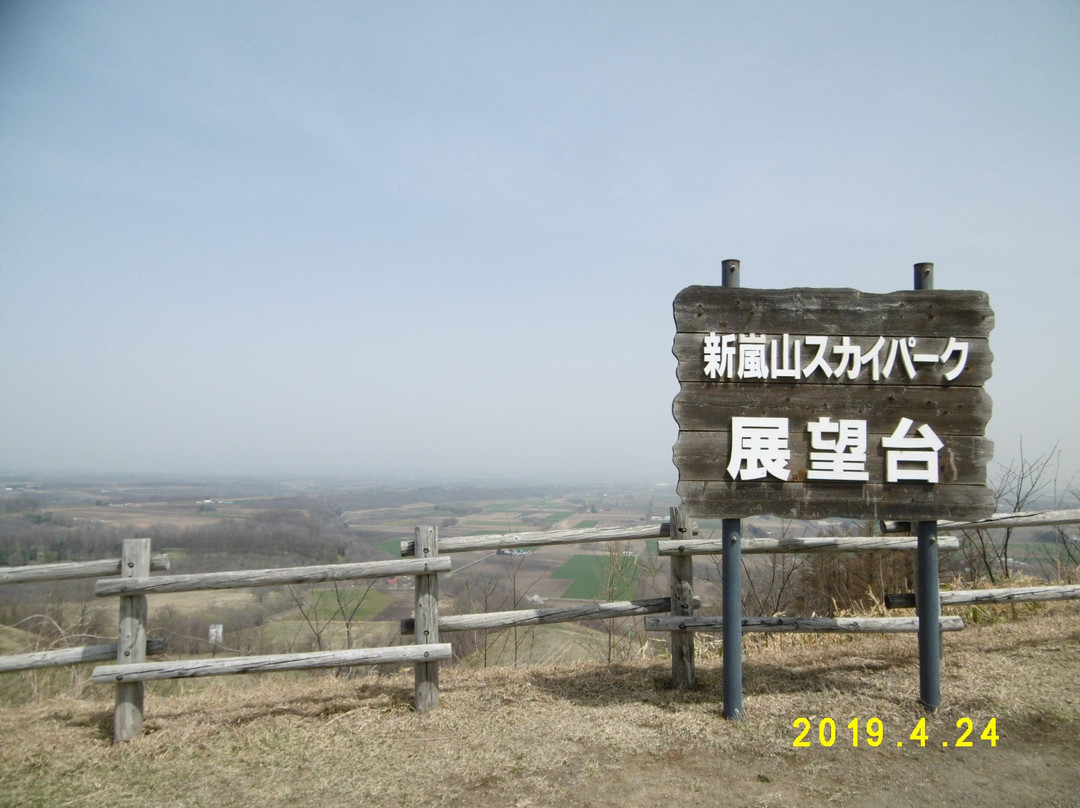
[[924, 277], [730, 273]]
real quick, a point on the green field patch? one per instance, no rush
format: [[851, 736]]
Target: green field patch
[[558, 516], [390, 547], [413, 521], [586, 523], [501, 507], [593, 578]]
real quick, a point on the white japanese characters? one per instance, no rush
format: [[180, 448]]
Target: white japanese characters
[[842, 457], [838, 451], [912, 459], [758, 356], [759, 447]]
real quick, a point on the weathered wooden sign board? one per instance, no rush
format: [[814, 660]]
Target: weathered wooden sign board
[[810, 403]]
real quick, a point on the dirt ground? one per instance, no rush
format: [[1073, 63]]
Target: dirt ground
[[587, 735]]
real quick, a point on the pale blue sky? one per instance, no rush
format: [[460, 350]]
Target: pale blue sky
[[444, 238]]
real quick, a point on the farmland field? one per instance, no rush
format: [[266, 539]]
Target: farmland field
[[206, 527], [594, 577]]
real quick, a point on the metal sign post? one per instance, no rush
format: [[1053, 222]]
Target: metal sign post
[[731, 574], [927, 584]]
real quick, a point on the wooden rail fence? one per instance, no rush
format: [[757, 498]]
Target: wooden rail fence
[[131, 668], [70, 570], [677, 539], [557, 614], [683, 544], [680, 545]]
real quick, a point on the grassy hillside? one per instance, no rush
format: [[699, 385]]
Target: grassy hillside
[[15, 641], [585, 735]]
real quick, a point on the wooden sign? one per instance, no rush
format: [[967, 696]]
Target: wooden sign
[[811, 403]]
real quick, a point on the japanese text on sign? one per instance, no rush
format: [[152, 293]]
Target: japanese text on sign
[[758, 356], [759, 449]]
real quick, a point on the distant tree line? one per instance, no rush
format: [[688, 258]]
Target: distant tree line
[[40, 537]]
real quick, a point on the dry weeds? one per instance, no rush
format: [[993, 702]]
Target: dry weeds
[[584, 735]]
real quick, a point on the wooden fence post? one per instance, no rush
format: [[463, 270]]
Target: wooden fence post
[[426, 689], [682, 604], [131, 642]]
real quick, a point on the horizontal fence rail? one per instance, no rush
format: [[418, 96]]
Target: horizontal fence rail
[[537, 617], [270, 577], [67, 570], [70, 656], [869, 625], [818, 544], [1017, 519], [495, 541], [955, 597], [268, 663]]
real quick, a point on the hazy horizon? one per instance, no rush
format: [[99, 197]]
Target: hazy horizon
[[316, 481], [443, 241]]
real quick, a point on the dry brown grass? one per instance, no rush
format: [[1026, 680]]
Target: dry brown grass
[[583, 735]]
